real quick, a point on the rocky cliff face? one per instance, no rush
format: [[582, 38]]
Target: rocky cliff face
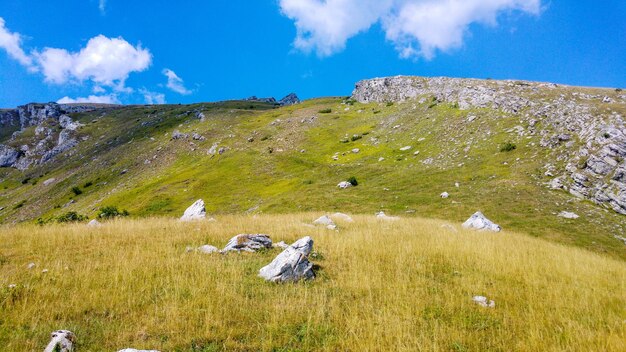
[[584, 131], [54, 133]]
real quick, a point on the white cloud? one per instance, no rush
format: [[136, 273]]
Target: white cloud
[[12, 43], [152, 97], [104, 61], [98, 99], [102, 4], [418, 28], [175, 83]]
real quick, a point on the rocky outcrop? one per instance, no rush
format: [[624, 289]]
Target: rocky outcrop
[[61, 341], [479, 222], [292, 265], [8, 156], [248, 243], [326, 221], [583, 132], [290, 99], [196, 211]]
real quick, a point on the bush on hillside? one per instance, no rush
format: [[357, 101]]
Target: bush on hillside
[[76, 190], [507, 147], [111, 211], [325, 111], [352, 180], [70, 216]]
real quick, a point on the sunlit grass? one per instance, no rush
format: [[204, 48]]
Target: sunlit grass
[[394, 286]]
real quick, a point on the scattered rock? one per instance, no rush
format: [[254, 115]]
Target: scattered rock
[[356, 150], [208, 249], [382, 216], [195, 212], [344, 184], [404, 149], [292, 265], [197, 137], [568, 215], [325, 220], [30, 266], [444, 195], [342, 217], [61, 341], [248, 243], [479, 222], [483, 302], [178, 135], [281, 244], [94, 223], [134, 350], [49, 181]]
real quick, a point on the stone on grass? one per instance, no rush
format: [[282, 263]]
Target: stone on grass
[[444, 195], [134, 350], [342, 217], [568, 215], [61, 341], [94, 223], [195, 212], [479, 222], [404, 149], [248, 243], [344, 184], [382, 216], [292, 264], [484, 302], [281, 244], [208, 249], [325, 220], [30, 266]]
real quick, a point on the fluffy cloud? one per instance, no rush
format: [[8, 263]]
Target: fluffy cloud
[[104, 61], [152, 98], [11, 42], [175, 83], [98, 99], [418, 28]]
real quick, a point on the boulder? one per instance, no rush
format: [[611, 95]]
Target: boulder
[[404, 149], [484, 302], [344, 184], [281, 244], [382, 216], [248, 243], [8, 156], [568, 215], [444, 195], [61, 341], [195, 212], [479, 222], [342, 217], [179, 135], [208, 249], [134, 350], [325, 220], [94, 223], [49, 181], [292, 264]]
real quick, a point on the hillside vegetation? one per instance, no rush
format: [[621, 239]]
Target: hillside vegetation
[[403, 285]]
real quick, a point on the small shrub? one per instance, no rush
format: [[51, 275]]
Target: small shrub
[[70, 216], [264, 138], [352, 180], [356, 137], [25, 181], [307, 182], [376, 112], [389, 103], [507, 147], [20, 204], [350, 101], [110, 212], [76, 190], [88, 184], [432, 105], [607, 135], [325, 111], [618, 90]]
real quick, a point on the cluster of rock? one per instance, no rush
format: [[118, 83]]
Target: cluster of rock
[[55, 133], [290, 99], [585, 132], [65, 341]]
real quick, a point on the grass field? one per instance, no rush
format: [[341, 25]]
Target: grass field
[[392, 286]]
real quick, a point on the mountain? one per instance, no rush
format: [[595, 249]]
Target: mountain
[[529, 155]]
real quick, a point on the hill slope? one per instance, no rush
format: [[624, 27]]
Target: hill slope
[[521, 152]]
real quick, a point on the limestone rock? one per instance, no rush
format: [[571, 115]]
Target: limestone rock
[[325, 220], [290, 99], [404, 149], [479, 222], [94, 223], [342, 217], [195, 212], [248, 243], [382, 216], [61, 341], [568, 215], [49, 181], [444, 195], [292, 264], [8, 156], [344, 184], [484, 302], [208, 249], [179, 135]]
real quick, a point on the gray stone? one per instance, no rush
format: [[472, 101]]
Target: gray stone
[[208, 249], [342, 217], [382, 216], [61, 341], [568, 215], [248, 243], [196, 211], [8, 156], [292, 265], [94, 223], [484, 302], [479, 222], [344, 184]]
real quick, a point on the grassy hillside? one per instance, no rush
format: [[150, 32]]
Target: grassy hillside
[[401, 286], [281, 160]]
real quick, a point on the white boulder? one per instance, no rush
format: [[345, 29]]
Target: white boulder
[[292, 264], [61, 341], [444, 195], [208, 249], [484, 302], [325, 220], [568, 215], [94, 223], [248, 243], [344, 184], [281, 244], [479, 222], [195, 212], [404, 149], [382, 216], [342, 217]]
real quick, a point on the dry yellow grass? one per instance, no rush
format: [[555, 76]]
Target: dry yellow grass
[[382, 286]]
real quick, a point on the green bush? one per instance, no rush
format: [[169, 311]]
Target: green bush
[[76, 190], [352, 180], [356, 137], [88, 184], [110, 212], [20, 204], [507, 147], [390, 103], [325, 111], [70, 216]]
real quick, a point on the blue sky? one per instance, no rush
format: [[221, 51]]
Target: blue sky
[[194, 51]]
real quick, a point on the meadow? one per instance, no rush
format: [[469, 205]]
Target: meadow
[[403, 285]]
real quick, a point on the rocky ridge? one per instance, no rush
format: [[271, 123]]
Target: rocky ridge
[[585, 133]]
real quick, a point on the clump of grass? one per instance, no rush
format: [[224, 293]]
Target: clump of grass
[[131, 283], [77, 191], [352, 180], [325, 111], [508, 147], [110, 212], [88, 184], [20, 204], [356, 137]]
